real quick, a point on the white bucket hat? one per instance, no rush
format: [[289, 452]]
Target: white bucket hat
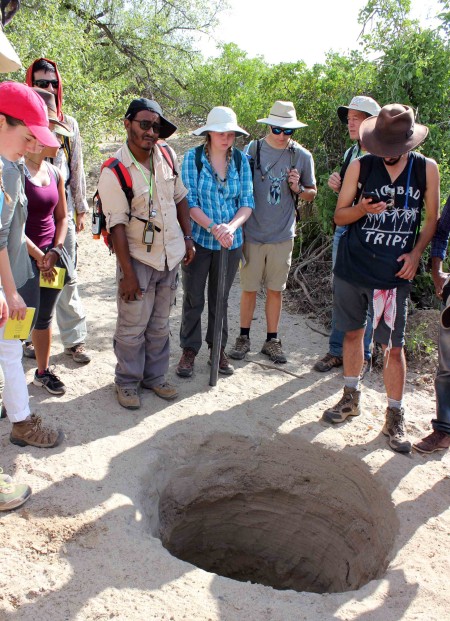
[[360, 103], [9, 61], [221, 119], [282, 114]]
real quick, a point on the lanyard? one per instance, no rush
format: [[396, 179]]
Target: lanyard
[[149, 181]]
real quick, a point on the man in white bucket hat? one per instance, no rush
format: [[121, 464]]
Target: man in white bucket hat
[[283, 172]]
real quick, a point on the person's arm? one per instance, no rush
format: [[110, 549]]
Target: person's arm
[[129, 289], [439, 249], [13, 301], [60, 217], [431, 199], [335, 182], [346, 212], [185, 224], [77, 181]]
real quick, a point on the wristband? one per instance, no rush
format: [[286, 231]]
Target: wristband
[[56, 250], [186, 237], [210, 226]]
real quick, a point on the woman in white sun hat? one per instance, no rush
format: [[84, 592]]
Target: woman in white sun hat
[[219, 182]]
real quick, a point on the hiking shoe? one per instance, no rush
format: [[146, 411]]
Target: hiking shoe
[[273, 349], [241, 347], [224, 366], [165, 390], [347, 406], [185, 367], [364, 369], [328, 362], [394, 428], [50, 382], [436, 441], [13, 495], [4, 477], [30, 432], [128, 397], [28, 350], [78, 353], [3, 412]]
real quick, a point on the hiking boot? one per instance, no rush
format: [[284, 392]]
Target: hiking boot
[[50, 382], [28, 350], [436, 441], [3, 412], [241, 347], [128, 397], [347, 406], [4, 477], [327, 363], [273, 349], [224, 366], [164, 390], [30, 432], [78, 353], [185, 367], [364, 369], [394, 428], [12, 495]]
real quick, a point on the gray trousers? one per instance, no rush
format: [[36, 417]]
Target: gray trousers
[[70, 315], [205, 267], [141, 340], [442, 382]]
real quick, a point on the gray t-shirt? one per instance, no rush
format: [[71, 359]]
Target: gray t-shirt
[[273, 219]]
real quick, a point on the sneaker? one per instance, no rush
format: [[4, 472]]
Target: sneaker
[[273, 349], [436, 441], [30, 432], [28, 350], [347, 406], [78, 353], [241, 347], [12, 495], [328, 362], [165, 390], [50, 382], [5, 477], [224, 366], [128, 397], [394, 428], [364, 369], [185, 367]]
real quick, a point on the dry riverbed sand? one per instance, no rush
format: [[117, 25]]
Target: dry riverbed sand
[[241, 479]]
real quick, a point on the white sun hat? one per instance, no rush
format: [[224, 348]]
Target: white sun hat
[[9, 61], [221, 119], [361, 103], [282, 114]]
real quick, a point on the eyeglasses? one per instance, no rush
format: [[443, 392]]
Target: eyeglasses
[[46, 83], [279, 130], [146, 125]]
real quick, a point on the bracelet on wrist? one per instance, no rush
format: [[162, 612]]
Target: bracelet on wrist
[[186, 237], [210, 226], [56, 250]]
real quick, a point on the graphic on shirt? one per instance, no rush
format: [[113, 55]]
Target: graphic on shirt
[[394, 225], [274, 194]]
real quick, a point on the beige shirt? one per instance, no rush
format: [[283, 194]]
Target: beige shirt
[[168, 190]]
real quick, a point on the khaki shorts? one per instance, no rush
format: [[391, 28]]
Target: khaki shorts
[[266, 264]]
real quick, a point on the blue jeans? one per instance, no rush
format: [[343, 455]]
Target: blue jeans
[[336, 339], [442, 382]]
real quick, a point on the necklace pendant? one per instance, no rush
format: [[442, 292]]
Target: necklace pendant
[[262, 177]]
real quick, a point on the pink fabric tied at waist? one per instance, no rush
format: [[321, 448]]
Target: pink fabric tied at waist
[[385, 305]]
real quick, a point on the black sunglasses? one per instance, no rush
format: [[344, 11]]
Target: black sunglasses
[[279, 130], [45, 83], [146, 125]]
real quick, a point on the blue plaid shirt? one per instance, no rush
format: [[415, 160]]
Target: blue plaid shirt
[[440, 239], [219, 201]]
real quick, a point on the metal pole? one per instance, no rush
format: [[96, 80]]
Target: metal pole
[[218, 324]]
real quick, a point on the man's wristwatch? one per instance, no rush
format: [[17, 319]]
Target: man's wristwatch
[[186, 237], [210, 226], [56, 250], [301, 188]]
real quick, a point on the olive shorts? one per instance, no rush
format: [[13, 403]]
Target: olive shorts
[[266, 264]]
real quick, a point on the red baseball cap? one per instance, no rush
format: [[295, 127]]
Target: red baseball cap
[[23, 103]]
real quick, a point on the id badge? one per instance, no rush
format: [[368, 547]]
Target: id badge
[[148, 235]]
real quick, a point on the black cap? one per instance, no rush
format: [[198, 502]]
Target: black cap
[[167, 128]]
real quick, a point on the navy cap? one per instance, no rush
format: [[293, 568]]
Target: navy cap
[[167, 128]]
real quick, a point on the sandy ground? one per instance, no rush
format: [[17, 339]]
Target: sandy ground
[[84, 547]]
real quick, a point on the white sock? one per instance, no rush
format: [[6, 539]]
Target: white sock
[[351, 382], [393, 403]]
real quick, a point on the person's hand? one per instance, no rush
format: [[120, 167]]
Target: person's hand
[[335, 182], [80, 222], [47, 266], [367, 206], [439, 279], [190, 251], [224, 234], [410, 265], [129, 289], [16, 305], [3, 310], [294, 180]]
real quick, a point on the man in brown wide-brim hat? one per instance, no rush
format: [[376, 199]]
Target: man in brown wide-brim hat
[[381, 200]]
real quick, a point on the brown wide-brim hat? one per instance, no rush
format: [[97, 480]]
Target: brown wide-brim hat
[[393, 132], [60, 128]]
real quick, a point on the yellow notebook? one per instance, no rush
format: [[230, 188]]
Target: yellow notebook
[[19, 328], [57, 282]]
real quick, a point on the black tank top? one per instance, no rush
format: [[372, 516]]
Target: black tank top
[[369, 249]]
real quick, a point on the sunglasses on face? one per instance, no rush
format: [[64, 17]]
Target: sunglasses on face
[[146, 125], [46, 83], [278, 130]]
